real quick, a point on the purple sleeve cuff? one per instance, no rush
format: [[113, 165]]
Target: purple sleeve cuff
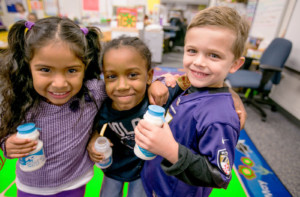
[[2, 145]]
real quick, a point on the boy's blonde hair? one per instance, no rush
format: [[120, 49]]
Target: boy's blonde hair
[[224, 17]]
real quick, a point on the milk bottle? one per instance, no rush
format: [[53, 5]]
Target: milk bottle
[[154, 115], [102, 145], [36, 158]]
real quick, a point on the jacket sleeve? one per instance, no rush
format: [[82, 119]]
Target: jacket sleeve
[[194, 169], [2, 145]]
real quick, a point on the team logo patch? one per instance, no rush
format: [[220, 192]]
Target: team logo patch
[[223, 161], [183, 82]]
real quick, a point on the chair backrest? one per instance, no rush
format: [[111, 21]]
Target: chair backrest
[[276, 54]]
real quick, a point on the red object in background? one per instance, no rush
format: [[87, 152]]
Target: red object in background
[[91, 5]]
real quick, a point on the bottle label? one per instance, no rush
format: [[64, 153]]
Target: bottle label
[[105, 163], [32, 161], [146, 153]]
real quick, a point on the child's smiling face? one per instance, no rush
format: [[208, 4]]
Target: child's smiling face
[[57, 73], [208, 56], [126, 77]]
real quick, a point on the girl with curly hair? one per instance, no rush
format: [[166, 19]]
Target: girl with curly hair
[[50, 76]]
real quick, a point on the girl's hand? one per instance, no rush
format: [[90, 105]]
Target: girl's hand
[[170, 79], [94, 155], [157, 140], [158, 93], [18, 147]]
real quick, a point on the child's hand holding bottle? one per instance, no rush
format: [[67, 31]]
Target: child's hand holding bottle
[[94, 155], [157, 140], [99, 149], [17, 147]]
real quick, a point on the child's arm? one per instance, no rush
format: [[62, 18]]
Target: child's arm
[[16, 147], [239, 108], [194, 169], [94, 155], [158, 91]]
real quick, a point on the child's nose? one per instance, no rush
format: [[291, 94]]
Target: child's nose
[[59, 81], [123, 83], [199, 60]]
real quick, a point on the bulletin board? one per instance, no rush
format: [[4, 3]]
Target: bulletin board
[[126, 17], [293, 35], [267, 20]]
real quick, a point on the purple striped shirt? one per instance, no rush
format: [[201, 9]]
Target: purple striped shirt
[[65, 135]]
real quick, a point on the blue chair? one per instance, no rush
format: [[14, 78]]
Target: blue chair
[[271, 64]]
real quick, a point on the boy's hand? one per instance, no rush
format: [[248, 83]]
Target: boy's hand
[[157, 140], [94, 155], [18, 147], [239, 108], [158, 93]]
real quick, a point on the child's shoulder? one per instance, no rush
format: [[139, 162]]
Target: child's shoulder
[[216, 101], [217, 107], [96, 87], [95, 84]]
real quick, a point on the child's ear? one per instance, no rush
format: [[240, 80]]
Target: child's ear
[[149, 76], [237, 64]]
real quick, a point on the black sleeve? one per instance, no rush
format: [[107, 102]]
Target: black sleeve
[[173, 93], [194, 169]]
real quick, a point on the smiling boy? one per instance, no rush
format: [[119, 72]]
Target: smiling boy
[[196, 147]]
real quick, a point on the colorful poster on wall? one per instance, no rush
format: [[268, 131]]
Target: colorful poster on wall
[[10, 4], [91, 5], [127, 17]]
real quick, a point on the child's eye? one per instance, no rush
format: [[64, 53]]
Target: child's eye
[[214, 55], [111, 76], [72, 70], [133, 75], [191, 51], [46, 70]]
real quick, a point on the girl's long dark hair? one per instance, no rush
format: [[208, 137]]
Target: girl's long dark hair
[[18, 94]]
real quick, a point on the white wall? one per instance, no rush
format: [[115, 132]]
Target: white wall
[[287, 93], [292, 33]]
